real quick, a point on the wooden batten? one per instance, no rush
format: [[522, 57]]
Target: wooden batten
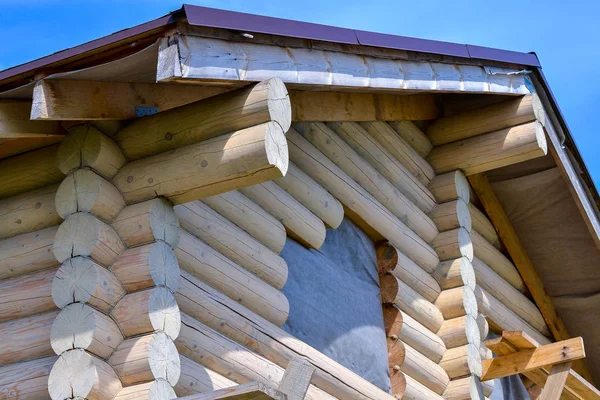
[[29, 252], [146, 358], [482, 225], [29, 171], [254, 155], [86, 146], [148, 311], [387, 164], [340, 153], [452, 215], [491, 150], [450, 186], [463, 330], [250, 217], [207, 264], [346, 106], [300, 223], [450, 245], [79, 326], [468, 388], [154, 390], [481, 120], [27, 379], [26, 295], [312, 196], [196, 378], [26, 338], [235, 244], [418, 391], [454, 303], [455, 273], [84, 190], [359, 202], [424, 371], [462, 361], [147, 222], [77, 373], [413, 136], [28, 212], [82, 234], [148, 265], [215, 116]]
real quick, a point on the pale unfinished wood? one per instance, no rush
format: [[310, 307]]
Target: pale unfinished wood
[[296, 379], [413, 136], [424, 371], [148, 221], [462, 361], [27, 379], [80, 279], [207, 264], [145, 358], [82, 234], [491, 150], [450, 186], [86, 146], [228, 112], [556, 381], [28, 212], [379, 156], [77, 373], [468, 388], [338, 151], [79, 326], [421, 339], [418, 391], [393, 290], [207, 225], [482, 225], [148, 265], [300, 223], [26, 338], [26, 295], [398, 382], [454, 303], [196, 378], [450, 245], [154, 390], [396, 356], [251, 217], [27, 253], [454, 273], [461, 331], [245, 391], [15, 121], [84, 190], [242, 158], [452, 215], [312, 196]]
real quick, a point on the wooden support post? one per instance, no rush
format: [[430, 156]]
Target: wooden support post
[[413, 136], [29, 252], [26, 338], [556, 381], [26, 295]]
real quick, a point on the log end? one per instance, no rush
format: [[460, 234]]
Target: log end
[[387, 257], [164, 312], [164, 358], [540, 136], [279, 104], [276, 147], [389, 287], [465, 244], [392, 320]]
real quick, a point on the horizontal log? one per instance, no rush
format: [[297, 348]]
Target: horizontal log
[[148, 265], [26, 295], [26, 338], [228, 112], [253, 155], [86, 146], [418, 391], [450, 186], [250, 217], [364, 209], [27, 253], [147, 222], [392, 320], [338, 151], [393, 290], [82, 234], [146, 358], [28, 212], [504, 292], [79, 326], [27, 380], [484, 352], [454, 303], [402, 150], [397, 382], [154, 390], [452, 215], [396, 355], [416, 335], [84, 190], [390, 259], [450, 245], [481, 120], [413, 136], [247, 328], [207, 264], [491, 150], [468, 388], [148, 311], [497, 261], [29, 171], [250, 390], [378, 155], [454, 273], [196, 378], [312, 196], [300, 223], [482, 225], [348, 106], [77, 373], [235, 244], [424, 371], [80, 279], [64, 99], [462, 361], [460, 331]]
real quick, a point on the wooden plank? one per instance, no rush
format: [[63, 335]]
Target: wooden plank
[[296, 379], [246, 391], [556, 381], [351, 106], [527, 360], [15, 122], [526, 269]]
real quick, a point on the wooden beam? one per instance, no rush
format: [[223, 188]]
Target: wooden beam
[[245, 391], [556, 381], [15, 122], [352, 106], [526, 269], [296, 379], [530, 359], [92, 100]]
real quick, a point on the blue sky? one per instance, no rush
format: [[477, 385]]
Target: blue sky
[[564, 35]]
